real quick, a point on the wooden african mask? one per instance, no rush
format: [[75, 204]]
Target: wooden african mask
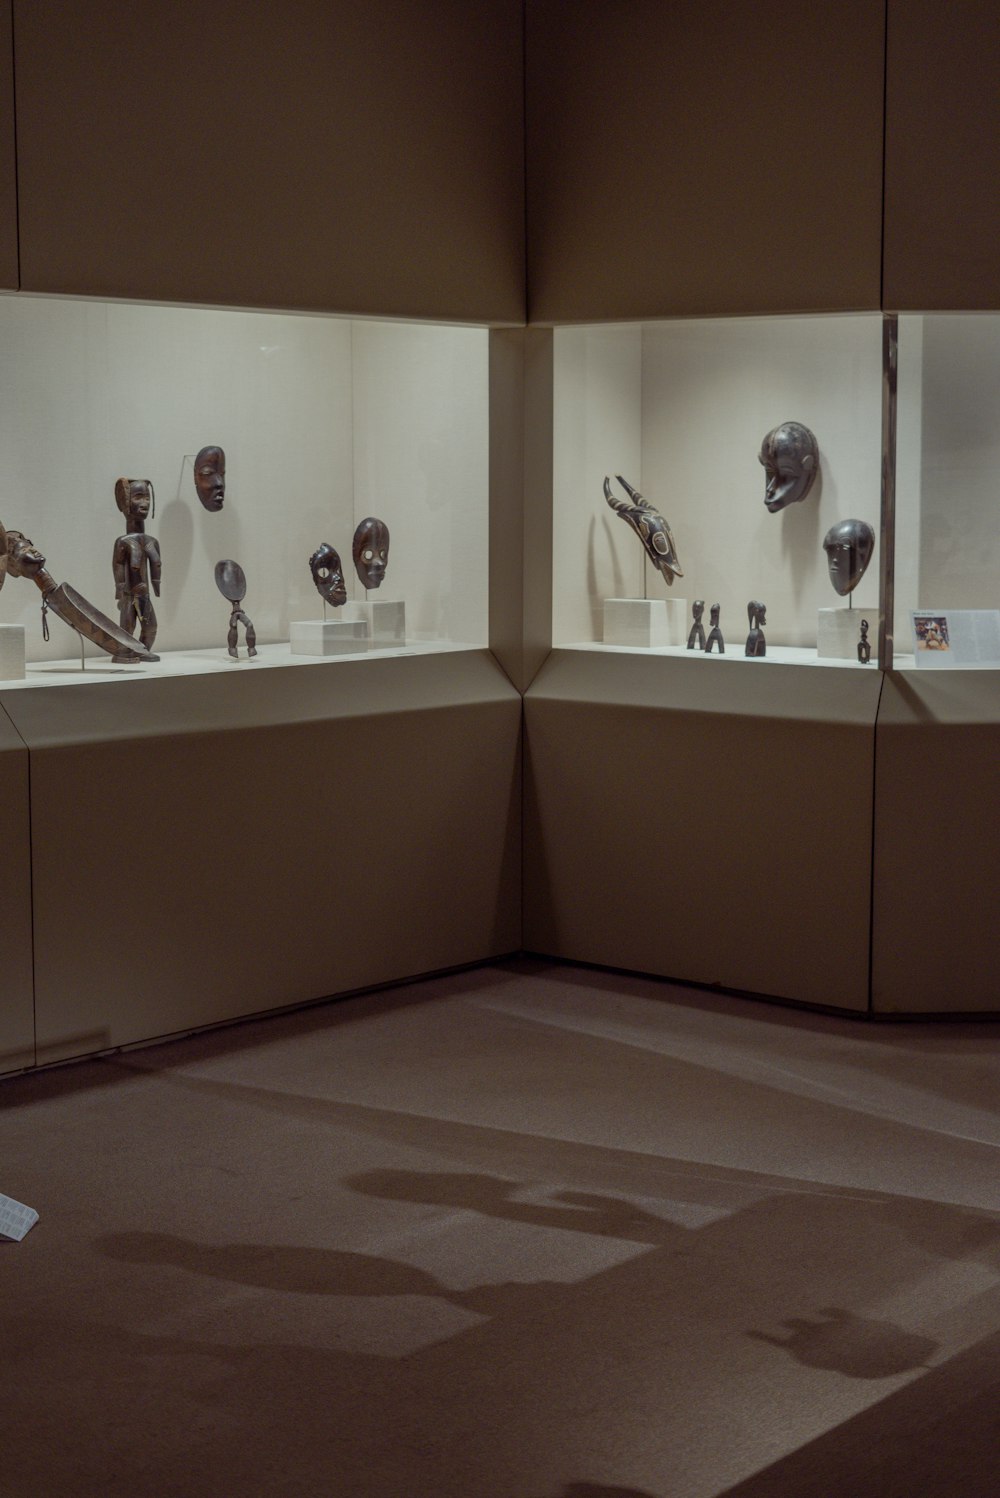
[[328, 575], [210, 477], [370, 549], [790, 455], [848, 545], [650, 526]]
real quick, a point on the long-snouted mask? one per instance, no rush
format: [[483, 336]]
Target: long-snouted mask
[[790, 455], [370, 549], [650, 526], [328, 574]]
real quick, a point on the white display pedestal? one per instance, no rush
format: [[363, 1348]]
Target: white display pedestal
[[645, 622], [838, 632], [384, 621], [327, 636], [11, 652], [15, 1218]]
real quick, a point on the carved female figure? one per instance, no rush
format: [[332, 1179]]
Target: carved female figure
[[136, 562]]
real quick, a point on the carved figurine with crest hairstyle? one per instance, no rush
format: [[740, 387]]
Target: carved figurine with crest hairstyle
[[136, 562], [650, 526], [756, 616]]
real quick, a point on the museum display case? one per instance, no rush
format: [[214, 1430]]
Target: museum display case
[[947, 555], [323, 423], [757, 443], [246, 808]]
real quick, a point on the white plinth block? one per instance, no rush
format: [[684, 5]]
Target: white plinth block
[[15, 1218], [838, 632], [645, 621], [11, 652], [327, 636], [384, 620]]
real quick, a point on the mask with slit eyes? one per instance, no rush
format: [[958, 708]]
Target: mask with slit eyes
[[328, 575], [370, 550], [848, 545]]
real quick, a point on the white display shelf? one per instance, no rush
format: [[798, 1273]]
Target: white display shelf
[[782, 655], [68, 673]]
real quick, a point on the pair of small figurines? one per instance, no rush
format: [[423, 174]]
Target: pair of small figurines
[[696, 639], [370, 550]]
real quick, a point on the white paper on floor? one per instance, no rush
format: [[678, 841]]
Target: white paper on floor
[[15, 1218]]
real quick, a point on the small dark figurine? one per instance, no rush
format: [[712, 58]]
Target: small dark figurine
[[715, 633], [370, 550], [23, 559], [136, 563], [848, 545], [210, 477], [328, 575], [864, 644], [650, 526], [697, 635], [231, 581], [790, 455], [756, 644]]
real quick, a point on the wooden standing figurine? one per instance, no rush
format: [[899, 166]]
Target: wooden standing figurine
[[136, 563]]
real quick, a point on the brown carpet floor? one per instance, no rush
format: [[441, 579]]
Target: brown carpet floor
[[531, 1231]]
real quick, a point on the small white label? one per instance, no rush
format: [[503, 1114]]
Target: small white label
[[15, 1218]]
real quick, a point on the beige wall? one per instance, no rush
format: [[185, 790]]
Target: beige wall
[[936, 850], [8, 169], [521, 537], [17, 1033], [942, 209], [709, 822], [703, 157], [204, 848], [351, 157]]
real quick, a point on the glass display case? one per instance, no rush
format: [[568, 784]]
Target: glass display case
[[323, 422], [946, 612], [700, 416]]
